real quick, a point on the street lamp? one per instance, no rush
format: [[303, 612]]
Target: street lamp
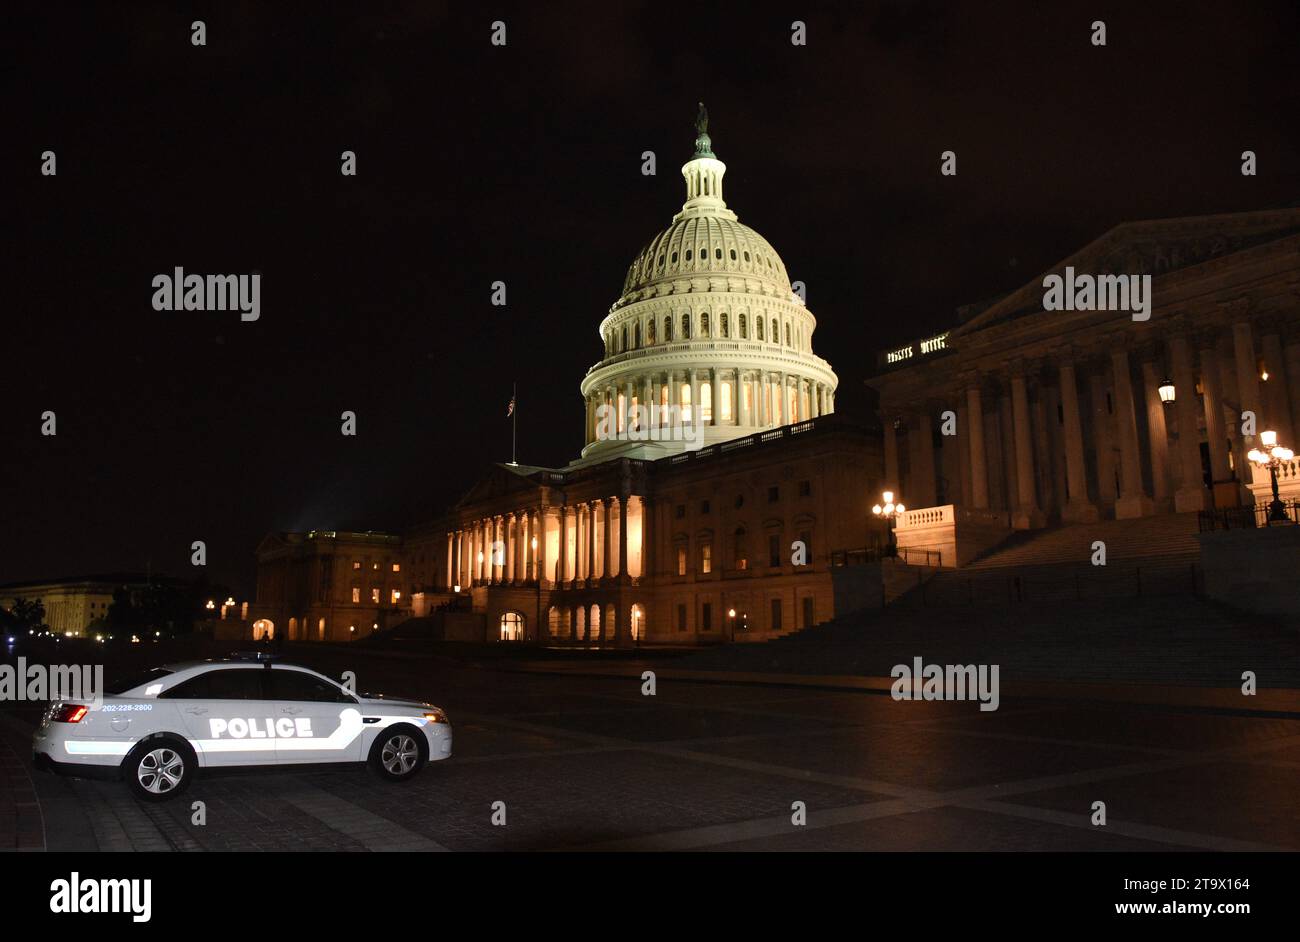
[[1276, 456], [1166, 390], [889, 512]]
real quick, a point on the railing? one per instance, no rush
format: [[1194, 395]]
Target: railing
[[967, 589], [1247, 518], [871, 554]]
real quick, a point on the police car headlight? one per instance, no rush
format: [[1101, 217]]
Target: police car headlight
[[435, 716]]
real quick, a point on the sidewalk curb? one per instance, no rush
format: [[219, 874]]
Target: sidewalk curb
[[1274, 703]]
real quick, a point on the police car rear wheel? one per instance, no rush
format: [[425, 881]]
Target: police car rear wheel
[[160, 768], [399, 754]]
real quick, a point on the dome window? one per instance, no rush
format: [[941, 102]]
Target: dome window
[[686, 327], [717, 253], [661, 260], [668, 329], [758, 324], [776, 332], [733, 255], [688, 255], [674, 258], [744, 327], [747, 256]]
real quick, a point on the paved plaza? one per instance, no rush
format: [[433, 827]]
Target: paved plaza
[[589, 762]]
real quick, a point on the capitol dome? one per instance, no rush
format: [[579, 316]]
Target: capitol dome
[[708, 340]]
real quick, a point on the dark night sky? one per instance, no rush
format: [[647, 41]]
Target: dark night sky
[[523, 164]]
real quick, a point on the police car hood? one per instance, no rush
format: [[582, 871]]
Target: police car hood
[[370, 699]]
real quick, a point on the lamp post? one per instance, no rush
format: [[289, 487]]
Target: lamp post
[[731, 620], [889, 512], [1273, 458]]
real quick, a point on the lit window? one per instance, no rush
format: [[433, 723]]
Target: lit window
[[397, 596], [681, 560], [374, 596], [706, 558], [356, 595], [397, 567], [356, 564]]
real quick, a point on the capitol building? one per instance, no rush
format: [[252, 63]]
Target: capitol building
[[713, 492], [718, 497]]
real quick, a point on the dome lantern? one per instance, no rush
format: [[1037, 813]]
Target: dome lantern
[[703, 174]]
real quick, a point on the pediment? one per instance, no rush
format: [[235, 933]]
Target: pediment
[[1153, 247], [500, 481]]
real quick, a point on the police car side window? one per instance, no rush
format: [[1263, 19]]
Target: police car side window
[[297, 685], [218, 685]]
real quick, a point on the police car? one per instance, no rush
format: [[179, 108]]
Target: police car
[[157, 730]]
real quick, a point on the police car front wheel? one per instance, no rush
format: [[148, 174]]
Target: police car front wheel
[[399, 753], [160, 768]]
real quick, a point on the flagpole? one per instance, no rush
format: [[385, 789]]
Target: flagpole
[[514, 420]]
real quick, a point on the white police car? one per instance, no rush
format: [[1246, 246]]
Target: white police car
[[156, 730]]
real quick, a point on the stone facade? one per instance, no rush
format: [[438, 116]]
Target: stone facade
[[1058, 415]]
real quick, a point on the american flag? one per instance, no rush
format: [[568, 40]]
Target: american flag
[[510, 409]]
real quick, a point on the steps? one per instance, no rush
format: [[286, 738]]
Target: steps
[[1164, 536]]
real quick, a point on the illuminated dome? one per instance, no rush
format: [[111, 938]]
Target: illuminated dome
[[708, 329]]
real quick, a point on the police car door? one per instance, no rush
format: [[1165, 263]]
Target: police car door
[[225, 715], [316, 721]]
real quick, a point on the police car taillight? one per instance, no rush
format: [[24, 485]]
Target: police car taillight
[[68, 713]]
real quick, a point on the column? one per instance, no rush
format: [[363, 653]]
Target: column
[[1277, 407], [1027, 515], [1078, 509], [590, 553], [1191, 482], [1243, 346], [605, 568], [1213, 398], [1157, 434], [697, 418], [743, 404], [562, 556], [891, 482], [1133, 501], [543, 572], [510, 547], [921, 451], [979, 469], [622, 539]]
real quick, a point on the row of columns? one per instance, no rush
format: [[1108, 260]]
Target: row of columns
[[753, 398], [1115, 426], [513, 548]]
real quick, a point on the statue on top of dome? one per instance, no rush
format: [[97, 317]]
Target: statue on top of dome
[[703, 146]]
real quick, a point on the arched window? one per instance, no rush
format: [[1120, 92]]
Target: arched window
[[686, 327], [776, 331], [733, 255], [688, 255], [704, 324], [787, 333], [650, 331], [668, 329], [758, 322], [512, 627], [636, 335], [674, 258], [726, 327], [747, 255], [744, 327], [661, 259], [717, 253], [624, 344]]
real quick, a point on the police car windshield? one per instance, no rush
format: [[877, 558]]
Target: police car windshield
[[138, 680]]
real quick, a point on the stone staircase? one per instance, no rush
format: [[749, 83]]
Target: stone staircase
[[1144, 557], [1177, 639]]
